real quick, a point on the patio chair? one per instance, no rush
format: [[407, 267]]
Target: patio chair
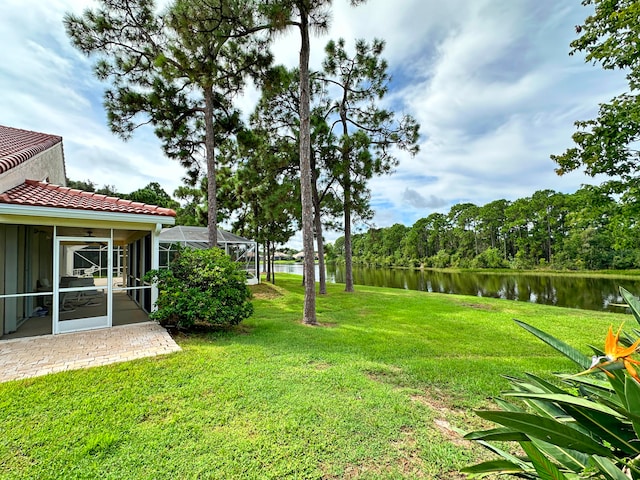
[[86, 298]]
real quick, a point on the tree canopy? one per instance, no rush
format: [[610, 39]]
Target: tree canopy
[[608, 144], [177, 70]]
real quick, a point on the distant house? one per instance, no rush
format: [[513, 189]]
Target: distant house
[[300, 255], [44, 226], [281, 256]]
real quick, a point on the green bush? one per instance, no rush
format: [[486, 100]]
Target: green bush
[[458, 260], [441, 259], [588, 427], [490, 258], [520, 261], [201, 287]]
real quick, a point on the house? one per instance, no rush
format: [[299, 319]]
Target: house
[[300, 256], [46, 227], [281, 256]]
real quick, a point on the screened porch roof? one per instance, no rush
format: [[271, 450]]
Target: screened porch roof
[[197, 235]]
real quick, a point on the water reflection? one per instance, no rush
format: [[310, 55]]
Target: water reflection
[[571, 291]]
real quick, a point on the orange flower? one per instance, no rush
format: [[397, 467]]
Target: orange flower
[[615, 353]]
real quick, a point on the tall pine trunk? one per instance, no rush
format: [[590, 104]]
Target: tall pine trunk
[[318, 229], [273, 264], [348, 264], [209, 142], [268, 260], [320, 243], [309, 313], [346, 186]]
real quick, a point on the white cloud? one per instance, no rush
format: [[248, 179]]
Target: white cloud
[[498, 96]]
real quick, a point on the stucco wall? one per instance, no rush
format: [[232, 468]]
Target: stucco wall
[[47, 165]]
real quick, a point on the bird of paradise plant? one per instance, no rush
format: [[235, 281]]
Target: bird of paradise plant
[[586, 427], [614, 353]]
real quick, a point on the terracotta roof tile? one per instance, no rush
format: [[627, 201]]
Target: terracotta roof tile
[[40, 194], [17, 146]]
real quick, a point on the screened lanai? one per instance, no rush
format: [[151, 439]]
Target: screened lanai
[[69, 260], [240, 249]]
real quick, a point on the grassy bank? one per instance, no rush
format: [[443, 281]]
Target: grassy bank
[[373, 393]]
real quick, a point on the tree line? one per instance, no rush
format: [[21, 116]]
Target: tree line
[[587, 230]]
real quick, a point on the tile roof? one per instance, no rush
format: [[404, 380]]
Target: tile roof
[[17, 146], [40, 194]]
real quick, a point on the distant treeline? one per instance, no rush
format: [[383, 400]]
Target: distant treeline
[[586, 230]]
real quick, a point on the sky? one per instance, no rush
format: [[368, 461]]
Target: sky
[[490, 82]]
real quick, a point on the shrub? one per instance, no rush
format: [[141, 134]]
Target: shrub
[[589, 427], [440, 259], [490, 258], [201, 286], [460, 260], [520, 261], [624, 259]]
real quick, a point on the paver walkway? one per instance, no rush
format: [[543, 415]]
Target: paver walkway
[[34, 356]]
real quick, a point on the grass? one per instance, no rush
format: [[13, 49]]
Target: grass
[[376, 392]]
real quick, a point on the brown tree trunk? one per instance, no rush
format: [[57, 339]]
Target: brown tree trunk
[[268, 260], [346, 186], [309, 313], [318, 230], [348, 264], [209, 142], [320, 243], [273, 264]]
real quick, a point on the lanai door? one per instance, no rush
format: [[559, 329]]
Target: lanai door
[[82, 301]]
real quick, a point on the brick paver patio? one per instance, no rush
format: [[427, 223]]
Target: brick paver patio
[[35, 356]]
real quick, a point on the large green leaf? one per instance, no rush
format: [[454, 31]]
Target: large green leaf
[[497, 435], [594, 381], [545, 469], [548, 430], [570, 459], [509, 407], [619, 434], [595, 418], [492, 467], [582, 360], [597, 388], [608, 468], [524, 466], [547, 386], [622, 410], [617, 381], [632, 398], [537, 385], [565, 398], [546, 409], [525, 385], [633, 303]]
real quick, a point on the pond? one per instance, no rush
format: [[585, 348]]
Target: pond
[[573, 290]]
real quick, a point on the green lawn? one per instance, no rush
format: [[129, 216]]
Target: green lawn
[[373, 393]]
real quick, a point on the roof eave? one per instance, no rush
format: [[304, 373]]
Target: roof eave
[[71, 213]]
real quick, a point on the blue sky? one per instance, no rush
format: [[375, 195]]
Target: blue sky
[[490, 82]]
